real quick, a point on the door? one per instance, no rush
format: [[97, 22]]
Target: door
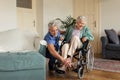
[[90, 9], [26, 14]]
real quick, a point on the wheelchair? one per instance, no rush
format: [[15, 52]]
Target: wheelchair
[[83, 59]]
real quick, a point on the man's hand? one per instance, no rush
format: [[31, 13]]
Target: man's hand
[[67, 62]]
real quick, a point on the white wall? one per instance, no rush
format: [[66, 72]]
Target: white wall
[[39, 17], [7, 14], [110, 15], [56, 9]]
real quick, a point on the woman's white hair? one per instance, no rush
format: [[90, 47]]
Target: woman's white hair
[[81, 18], [55, 22]]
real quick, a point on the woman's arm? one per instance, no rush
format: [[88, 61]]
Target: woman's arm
[[87, 34]]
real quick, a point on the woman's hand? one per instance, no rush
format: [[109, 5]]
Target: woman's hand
[[61, 38], [84, 39]]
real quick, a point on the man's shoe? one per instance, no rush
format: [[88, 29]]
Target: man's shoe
[[60, 70], [58, 63]]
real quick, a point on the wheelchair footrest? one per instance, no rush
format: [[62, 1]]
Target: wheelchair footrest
[[75, 70]]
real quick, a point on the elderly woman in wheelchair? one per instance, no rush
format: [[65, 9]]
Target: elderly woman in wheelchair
[[77, 38]]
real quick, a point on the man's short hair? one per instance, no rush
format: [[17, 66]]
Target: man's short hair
[[55, 22]]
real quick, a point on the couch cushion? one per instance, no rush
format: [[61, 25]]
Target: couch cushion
[[112, 36], [29, 39], [17, 40], [114, 47], [21, 61]]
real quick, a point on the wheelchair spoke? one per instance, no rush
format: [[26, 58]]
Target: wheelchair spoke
[[90, 59]]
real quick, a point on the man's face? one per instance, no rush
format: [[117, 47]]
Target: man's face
[[53, 31], [80, 24]]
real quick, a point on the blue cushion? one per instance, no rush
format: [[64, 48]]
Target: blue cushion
[[112, 36], [21, 61], [42, 49]]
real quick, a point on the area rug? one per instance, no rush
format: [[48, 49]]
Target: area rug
[[107, 65]]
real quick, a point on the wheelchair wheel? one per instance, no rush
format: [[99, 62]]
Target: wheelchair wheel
[[90, 59], [80, 72]]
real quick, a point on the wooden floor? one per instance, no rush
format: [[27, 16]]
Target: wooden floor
[[92, 75]]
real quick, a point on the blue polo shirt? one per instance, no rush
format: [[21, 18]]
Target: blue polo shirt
[[53, 40]]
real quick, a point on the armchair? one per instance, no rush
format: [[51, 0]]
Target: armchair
[[110, 50]]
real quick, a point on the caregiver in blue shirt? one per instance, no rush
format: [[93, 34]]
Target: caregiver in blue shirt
[[52, 38]]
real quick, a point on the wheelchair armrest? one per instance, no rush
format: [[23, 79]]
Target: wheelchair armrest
[[85, 44]]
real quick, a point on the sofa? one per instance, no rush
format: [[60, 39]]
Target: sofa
[[19, 56], [110, 45]]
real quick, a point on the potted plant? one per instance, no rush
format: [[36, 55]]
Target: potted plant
[[67, 22]]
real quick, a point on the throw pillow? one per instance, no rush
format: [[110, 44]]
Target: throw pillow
[[43, 46], [112, 36]]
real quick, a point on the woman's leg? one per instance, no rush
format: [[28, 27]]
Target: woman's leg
[[74, 44], [65, 48]]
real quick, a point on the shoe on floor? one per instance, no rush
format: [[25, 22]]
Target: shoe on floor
[[60, 70]]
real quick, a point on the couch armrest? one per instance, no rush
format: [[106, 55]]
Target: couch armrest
[[119, 38], [104, 41]]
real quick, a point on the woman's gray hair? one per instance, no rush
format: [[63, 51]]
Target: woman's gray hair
[[81, 18], [55, 22]]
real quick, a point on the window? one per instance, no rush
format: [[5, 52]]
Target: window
[[24, 3]]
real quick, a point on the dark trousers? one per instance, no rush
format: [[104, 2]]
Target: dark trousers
[[52, 60]]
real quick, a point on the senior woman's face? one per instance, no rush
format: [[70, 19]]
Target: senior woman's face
[[80, 24], [53, 30]]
